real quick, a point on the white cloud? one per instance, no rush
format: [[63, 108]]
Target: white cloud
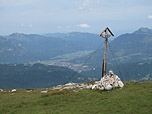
[[26, 25], [150, 16], [84, 5], [30, 25], [83, 25], [86, 2], [89, 5]]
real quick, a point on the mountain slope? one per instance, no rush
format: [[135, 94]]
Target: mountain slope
[[35, 76], [36, 47], [42, 76], [9, 50], [134, 47], [126, 72]]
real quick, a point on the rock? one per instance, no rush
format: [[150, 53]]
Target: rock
[[44, 91], [120, 84], [101, 88], [108, 82], [94, 86], [78, 86], [13, 90], [89, 86], [70, 84], [75, 90], [115, 85], [108, 87], [29, 91]]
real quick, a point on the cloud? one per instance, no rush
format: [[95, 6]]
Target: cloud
[[89, 5], [85, 5], [150, 16], [30, 25], [83, 25], [26, 25]]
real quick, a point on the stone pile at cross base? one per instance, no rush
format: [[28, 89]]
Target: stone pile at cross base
[[108, 82]]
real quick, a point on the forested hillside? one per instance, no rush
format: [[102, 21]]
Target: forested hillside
[[127, 71], [35, 76], [44, 76]]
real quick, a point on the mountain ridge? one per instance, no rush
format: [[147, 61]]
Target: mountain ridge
[[143, 30], [37, 47], [129, 47]]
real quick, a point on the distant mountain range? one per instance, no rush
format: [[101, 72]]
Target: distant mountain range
[[133, 54], [127, 48], [25, 48]]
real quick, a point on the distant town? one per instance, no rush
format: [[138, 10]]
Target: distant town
[[75, 67]]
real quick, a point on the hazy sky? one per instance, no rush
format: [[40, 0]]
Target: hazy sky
[[50, 16]]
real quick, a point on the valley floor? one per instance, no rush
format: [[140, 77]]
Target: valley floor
[[133, 98]]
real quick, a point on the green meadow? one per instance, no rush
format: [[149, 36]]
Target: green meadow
[[133, 98]]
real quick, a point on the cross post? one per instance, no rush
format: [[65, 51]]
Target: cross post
[[105, 35]]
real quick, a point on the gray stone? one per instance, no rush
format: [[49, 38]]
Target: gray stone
[[108, 82], [108, 87]]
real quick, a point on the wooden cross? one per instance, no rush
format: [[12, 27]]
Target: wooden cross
[[105, 34]]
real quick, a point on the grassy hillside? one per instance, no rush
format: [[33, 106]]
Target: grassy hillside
[[134, 98]]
